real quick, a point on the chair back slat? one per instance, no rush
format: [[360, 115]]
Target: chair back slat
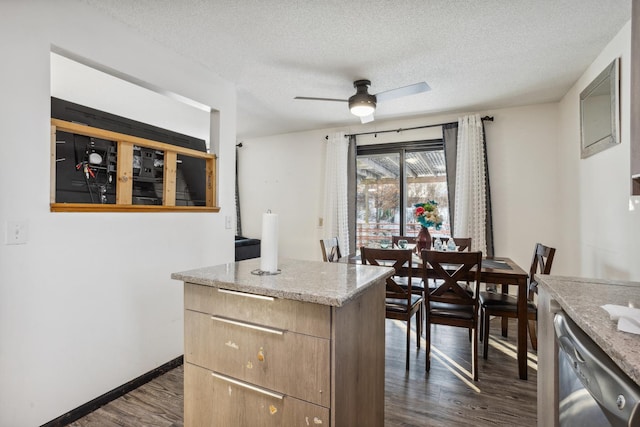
[[330, 249], [541, 263], [400, 260], [453, 271]]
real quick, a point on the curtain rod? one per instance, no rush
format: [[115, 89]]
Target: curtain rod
[[485, 118]]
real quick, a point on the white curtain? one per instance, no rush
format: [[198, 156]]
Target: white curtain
[[471, 188], [336, 218]]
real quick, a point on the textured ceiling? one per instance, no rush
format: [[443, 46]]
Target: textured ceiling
[[475, 55]]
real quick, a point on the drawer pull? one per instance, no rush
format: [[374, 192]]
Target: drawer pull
[[248, 386], [248, 325], [244, 294]]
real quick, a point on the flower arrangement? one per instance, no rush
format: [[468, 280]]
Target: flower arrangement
[[427, 214]]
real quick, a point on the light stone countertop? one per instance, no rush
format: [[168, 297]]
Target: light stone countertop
[[582, 298], [325, 283]]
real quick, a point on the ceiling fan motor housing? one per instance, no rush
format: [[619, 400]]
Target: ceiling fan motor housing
[[362, 103]]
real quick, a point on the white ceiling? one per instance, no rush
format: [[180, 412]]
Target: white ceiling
[[475, 55]]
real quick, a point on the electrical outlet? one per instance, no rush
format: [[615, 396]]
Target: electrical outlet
[[16, 232], [227, 222]]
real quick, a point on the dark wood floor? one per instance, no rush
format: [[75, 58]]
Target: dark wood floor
[[445, 396]]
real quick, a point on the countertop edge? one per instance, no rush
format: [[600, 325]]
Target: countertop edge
[[612, 342], [304, 295]]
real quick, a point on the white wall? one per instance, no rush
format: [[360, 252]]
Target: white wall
[[541, 190], [284, 173], [88, 304], [84, 85], [521, 146], [598, 220]]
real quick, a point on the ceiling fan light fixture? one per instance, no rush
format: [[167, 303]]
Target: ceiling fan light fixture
[[362, 109], [362, 104]]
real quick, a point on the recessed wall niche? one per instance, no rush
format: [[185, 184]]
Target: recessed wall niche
[[160, 130]]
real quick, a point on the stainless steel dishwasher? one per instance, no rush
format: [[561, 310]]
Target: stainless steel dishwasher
[[592, 389]]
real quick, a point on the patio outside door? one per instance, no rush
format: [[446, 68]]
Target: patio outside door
[[391, 178]]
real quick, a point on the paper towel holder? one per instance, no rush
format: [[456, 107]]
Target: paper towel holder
[[269, 246]]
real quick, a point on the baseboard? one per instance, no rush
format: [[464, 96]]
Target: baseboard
[[117, 392]]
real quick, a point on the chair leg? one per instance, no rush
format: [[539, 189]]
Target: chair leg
[[481, 335], [485, 342], [418, 327], [427, 334], [408, 342], [533, 335], [474, 349]]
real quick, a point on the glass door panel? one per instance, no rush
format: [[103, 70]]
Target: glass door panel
[[426, 180], [378, 199]]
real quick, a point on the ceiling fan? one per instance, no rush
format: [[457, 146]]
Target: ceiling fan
[[363, 104]]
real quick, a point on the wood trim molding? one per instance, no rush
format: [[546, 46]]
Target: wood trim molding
[[134, 140], [91, 207]]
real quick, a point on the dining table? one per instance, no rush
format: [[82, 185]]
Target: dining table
[[499, 271]]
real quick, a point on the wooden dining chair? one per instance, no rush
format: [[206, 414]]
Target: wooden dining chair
[[451, 303], [417, 286], [463, 244], [400, 302], [330, 249], [506, 306]]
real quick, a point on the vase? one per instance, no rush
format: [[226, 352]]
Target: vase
[[423, 240]]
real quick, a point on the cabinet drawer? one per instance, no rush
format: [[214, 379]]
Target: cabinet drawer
[[297, 316], [287, 362], [215, 400]]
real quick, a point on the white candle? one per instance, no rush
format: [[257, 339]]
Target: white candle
[[269, 243]]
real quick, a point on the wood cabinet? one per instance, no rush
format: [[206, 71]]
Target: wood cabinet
[[547, 360], [257, 360]]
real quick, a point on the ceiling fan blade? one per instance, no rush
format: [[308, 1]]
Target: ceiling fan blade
[[403, 91], [309, 98], [366, 119]]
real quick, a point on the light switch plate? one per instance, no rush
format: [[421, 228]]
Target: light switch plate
[[227, 222], [16, 232]]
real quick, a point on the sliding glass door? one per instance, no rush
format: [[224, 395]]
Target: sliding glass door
[[391, 178], [378, 203]]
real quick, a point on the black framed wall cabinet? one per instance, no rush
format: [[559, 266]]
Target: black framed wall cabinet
[[103, 162], [117, 159]]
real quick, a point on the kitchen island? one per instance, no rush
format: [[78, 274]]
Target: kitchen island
[[581, 299], [302, 347]]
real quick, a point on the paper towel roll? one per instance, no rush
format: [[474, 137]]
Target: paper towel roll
[[269, 243]]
